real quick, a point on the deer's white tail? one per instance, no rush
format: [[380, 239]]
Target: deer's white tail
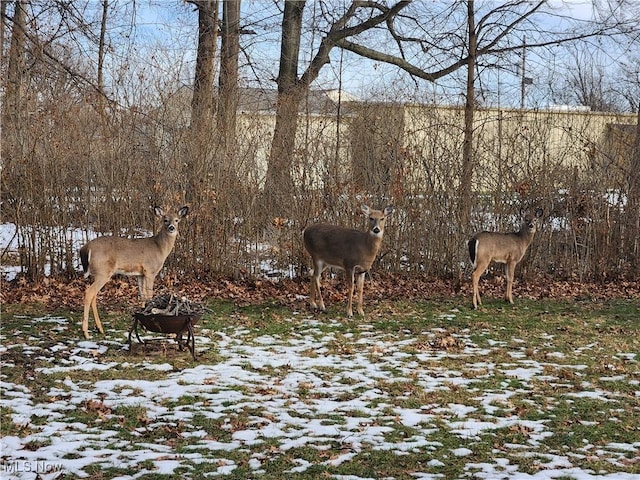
[[472, 245], [85, 258]]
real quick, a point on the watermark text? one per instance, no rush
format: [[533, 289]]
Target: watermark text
[[33, 466]]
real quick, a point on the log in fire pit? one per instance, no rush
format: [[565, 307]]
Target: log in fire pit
[[168, 314]]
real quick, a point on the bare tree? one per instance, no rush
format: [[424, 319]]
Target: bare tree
[[428, 46], [290, 94], [101, 54], [587, 82], [228, 81], [628, 86], [14, 105], [3, 23], [359, 17], [202, 104], [468, 167]]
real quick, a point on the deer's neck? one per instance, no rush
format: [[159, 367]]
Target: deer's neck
[[165, 242], [374, 241], [525, 235]]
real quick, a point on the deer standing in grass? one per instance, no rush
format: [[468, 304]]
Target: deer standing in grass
[[104, 257], [507, 248], [350, 250]]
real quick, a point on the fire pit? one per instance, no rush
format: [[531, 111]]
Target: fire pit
[[168, 315]]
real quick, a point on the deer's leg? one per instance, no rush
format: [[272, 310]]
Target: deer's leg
[[91, 301], [315, 294], [140, 280], [510, 268], [146, 287], [360, 284], [350, 279], [475, 279], [94, 307], [312, 289]]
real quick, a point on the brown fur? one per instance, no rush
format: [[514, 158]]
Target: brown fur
[[143, 258], [507, 248], [350, 250]]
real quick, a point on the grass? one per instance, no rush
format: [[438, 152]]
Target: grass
[[428, 387]]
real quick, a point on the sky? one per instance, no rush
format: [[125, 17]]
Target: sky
[[169, 28], [153, 47]]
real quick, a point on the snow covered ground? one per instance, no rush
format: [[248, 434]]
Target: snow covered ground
[[8, 241], [269, 398]]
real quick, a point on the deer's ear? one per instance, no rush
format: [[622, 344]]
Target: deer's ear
[[539, 212], [158, 211], [183, 211], [365, 209], [389, 210]]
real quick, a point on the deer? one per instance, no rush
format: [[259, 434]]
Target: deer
[[347, 249], [104, 257], [507, 248]]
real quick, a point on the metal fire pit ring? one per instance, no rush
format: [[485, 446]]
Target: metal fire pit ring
[[167, 324]]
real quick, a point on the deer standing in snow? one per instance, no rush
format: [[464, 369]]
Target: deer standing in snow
[[104, 257]]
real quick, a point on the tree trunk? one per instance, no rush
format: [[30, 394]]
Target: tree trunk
[[633, 203], [199, 148], [14, 102], [15, 131], [14, 106], [279, 184], [101, 50], [202, 103], [3, 22], [468, 163], [228, 81]]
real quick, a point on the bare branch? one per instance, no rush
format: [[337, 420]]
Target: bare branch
[[339, 32], [487, 45], [400, 62]]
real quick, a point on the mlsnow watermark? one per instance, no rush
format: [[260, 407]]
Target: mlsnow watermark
[[33, 466]]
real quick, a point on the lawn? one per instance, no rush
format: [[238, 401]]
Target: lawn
[[416, 390]]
